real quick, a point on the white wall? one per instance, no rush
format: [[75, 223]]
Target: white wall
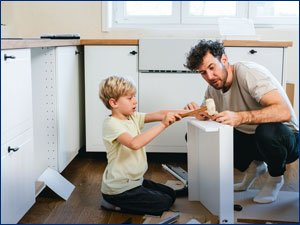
[[29, 19]]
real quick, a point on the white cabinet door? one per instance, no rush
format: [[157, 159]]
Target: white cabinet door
[[101, 62], [16, 95], [271, 58], [160, 91], [69, 85], [17, 182], [17, 179]]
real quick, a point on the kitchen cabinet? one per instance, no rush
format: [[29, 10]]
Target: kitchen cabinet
[[101, 62], [271, 58], [17, 180], [57, 78]]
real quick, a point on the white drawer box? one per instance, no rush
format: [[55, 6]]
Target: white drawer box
[[271, 58], [16, 97]]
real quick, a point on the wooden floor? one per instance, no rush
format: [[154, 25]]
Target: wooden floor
[[83, 206]]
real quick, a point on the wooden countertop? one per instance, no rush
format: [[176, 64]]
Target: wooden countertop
[[253, 43], [109, 42], [34, 43]]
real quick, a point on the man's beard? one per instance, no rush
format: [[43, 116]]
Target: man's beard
[[225, 73]]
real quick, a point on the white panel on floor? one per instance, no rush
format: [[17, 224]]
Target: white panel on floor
[[57, 183], [285, 208]]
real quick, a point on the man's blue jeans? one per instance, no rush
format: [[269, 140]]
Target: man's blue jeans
[[274, 143]]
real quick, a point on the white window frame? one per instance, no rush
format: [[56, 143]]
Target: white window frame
[[242, 11], [113, 18], [121, 18], [271, 20]]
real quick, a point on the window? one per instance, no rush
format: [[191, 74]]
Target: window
[[274, 12], [150, 13], [208, 12], [146, 12]]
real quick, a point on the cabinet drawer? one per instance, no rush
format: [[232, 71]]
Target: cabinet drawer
[[271, 58], [17, 183], [16, 93]]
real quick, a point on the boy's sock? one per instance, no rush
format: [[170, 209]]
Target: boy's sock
[[270, 190], [255, 170]]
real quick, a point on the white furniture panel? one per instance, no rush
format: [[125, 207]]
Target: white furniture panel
[[101, 62], [44, 109], [160, 91], [17, 178], [271, 58], [57, 106], [210, 166]]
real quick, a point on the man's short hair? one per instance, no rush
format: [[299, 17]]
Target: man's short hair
[[196, 54], [115, 87]]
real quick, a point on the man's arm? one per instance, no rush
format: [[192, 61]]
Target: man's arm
[[274, 109]]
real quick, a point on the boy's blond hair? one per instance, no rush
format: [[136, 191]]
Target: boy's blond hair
[[115, 87]]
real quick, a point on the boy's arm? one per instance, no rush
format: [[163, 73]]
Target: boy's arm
[[159, 116], [143, 139]]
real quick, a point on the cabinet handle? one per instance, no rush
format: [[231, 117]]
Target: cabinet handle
[[252, 51], [9, 57], [133, 52], [13, 149], [77, 53]]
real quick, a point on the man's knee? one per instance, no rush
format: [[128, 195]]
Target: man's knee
[[267, 132]]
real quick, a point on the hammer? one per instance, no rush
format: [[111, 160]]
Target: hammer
[[210, 107]]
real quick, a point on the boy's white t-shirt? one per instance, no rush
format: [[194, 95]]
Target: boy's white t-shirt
[[126, 167]]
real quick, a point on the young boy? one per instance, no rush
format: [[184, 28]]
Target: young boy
[[123, 185]]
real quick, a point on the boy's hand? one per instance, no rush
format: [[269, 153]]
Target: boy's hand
[[170, 118]]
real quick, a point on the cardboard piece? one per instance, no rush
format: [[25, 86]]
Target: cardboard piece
[[176, 185], [290, 90], [183, 218], [57, 183], [195, 208], [285, 208], [237, 29]]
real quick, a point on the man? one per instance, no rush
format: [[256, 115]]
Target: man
[[248, 97]]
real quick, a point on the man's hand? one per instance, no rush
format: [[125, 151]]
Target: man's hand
[[202, 116], [191, 106], [228, 117]]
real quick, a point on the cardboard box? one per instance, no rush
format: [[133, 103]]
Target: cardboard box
[[290, 90]]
